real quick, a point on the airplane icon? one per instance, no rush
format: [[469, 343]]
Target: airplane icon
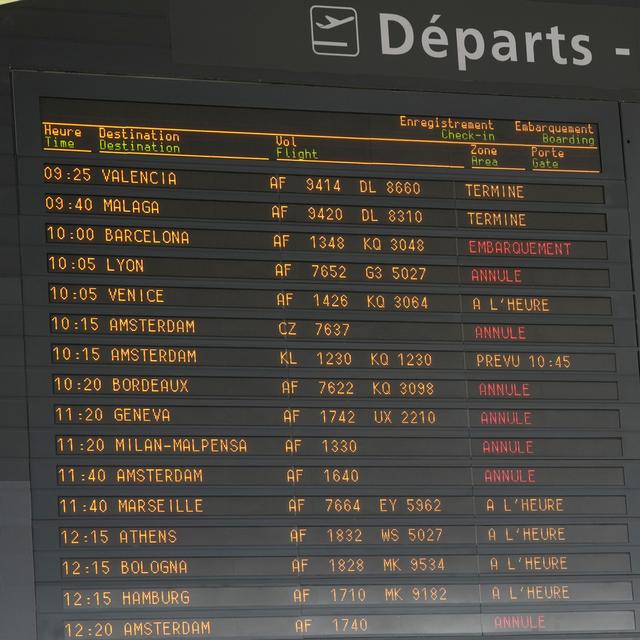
[[334, 22], [341, 23]]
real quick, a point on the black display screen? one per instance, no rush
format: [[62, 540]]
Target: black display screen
[[302, 372]]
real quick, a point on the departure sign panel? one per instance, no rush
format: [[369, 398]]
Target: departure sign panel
[[310, 364]]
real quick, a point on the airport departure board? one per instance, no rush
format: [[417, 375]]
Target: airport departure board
[[308, 362]]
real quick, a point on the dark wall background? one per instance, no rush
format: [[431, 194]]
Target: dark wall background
[[132, 37]]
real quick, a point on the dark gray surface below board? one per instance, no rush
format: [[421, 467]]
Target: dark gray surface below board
[[17, 594]]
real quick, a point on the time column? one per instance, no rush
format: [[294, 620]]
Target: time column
[[54, 286]]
